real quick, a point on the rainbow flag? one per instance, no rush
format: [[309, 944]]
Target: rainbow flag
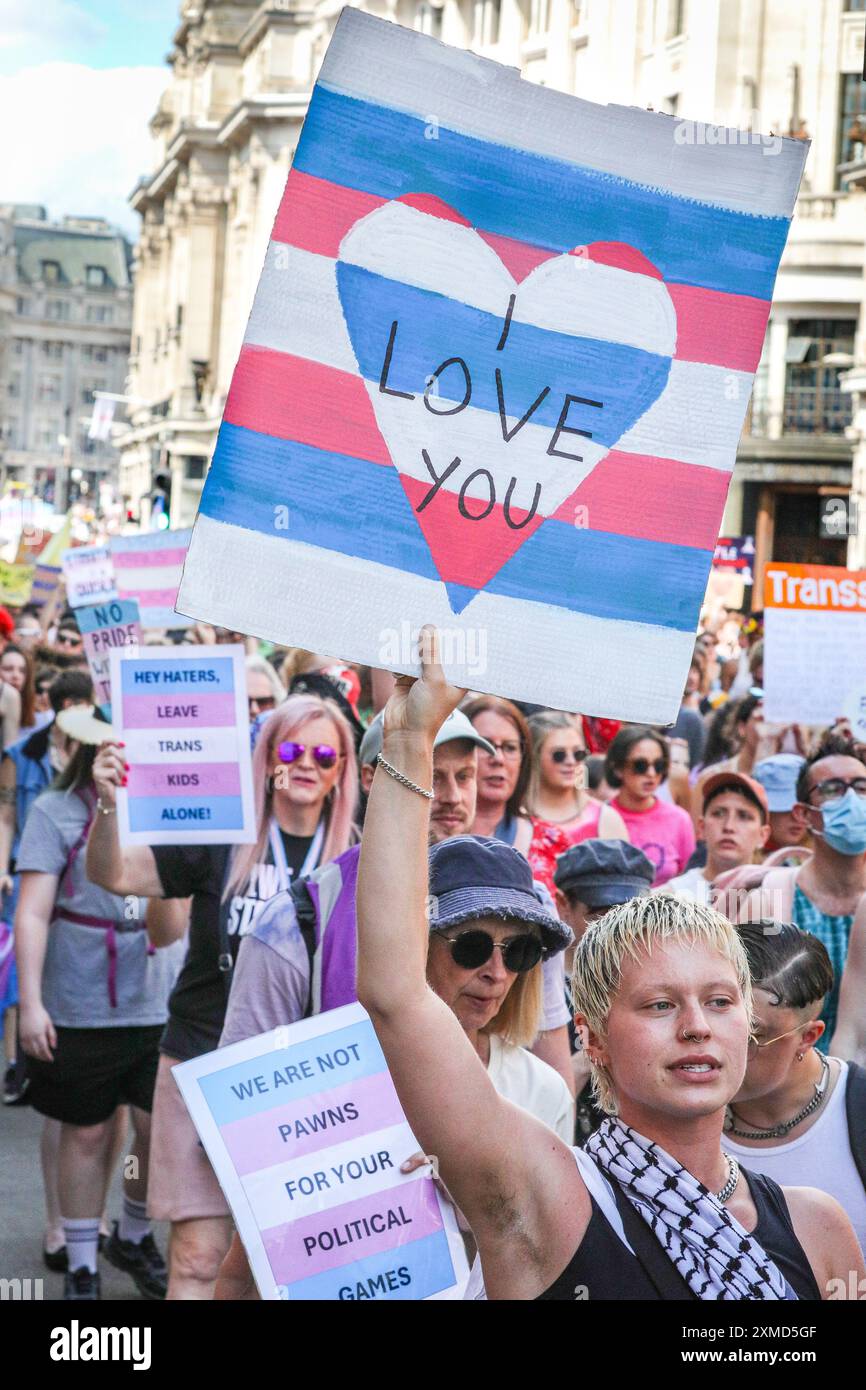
[[494, 378]]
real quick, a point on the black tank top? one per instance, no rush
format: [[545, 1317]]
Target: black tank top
[[602, 1267]]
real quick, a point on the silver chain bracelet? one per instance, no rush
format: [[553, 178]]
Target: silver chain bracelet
[[404, 781]]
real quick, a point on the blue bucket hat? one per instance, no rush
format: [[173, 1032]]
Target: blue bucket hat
[[473, 877], [778, 776]]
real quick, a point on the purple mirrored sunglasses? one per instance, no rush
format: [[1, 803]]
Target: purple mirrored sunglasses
[[324, 754]]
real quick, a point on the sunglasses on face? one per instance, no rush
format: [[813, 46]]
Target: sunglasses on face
[[68, 639], [262, 701], [642, 765], [561, 755], [472, 949], [324, 754]]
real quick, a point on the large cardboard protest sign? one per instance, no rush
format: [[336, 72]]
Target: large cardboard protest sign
[[148, 568], [89, 575], [306, 1136], [814, 642], [494, 378], [106, 627], [182, 713]]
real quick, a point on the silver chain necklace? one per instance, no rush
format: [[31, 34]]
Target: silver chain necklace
[[733, 1178], [781, 1130]]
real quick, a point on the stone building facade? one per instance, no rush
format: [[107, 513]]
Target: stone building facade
[[227, 126], [65, 314]]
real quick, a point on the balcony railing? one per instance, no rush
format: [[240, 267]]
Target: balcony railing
[[806, 410]]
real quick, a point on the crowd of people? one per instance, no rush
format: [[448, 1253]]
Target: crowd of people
[[618, 972]]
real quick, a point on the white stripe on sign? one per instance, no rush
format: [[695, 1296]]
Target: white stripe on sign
[[297, 308], [173, 745], [381, 607], [696, 419], [488, 101]]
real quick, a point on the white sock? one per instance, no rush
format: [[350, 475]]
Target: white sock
[[133, 1224], [82, 1241]]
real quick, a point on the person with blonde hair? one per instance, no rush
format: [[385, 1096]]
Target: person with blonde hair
[[655, 1208], [306, 790]]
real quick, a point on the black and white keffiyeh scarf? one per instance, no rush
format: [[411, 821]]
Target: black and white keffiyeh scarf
[[718, 1259]]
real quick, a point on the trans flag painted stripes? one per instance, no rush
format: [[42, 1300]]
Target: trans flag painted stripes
[[497, 364]]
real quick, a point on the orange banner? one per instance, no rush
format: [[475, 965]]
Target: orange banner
[[814, 588]]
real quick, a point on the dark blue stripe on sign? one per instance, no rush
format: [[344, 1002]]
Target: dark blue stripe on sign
[[546, 202], [432, 328], [360, 509]]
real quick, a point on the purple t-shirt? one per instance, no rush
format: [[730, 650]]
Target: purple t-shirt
[[665, 834]]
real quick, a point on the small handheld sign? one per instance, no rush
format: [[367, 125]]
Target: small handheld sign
[[182, 713]]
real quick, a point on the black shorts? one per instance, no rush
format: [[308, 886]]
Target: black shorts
[[94, 1071]]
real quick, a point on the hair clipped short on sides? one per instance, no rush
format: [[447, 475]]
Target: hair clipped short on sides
[[831, 746], [621, 935], [788, 963]]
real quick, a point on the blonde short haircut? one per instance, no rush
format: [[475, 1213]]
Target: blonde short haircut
[[621, 934]]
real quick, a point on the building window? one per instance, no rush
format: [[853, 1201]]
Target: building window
[[57, 309], [852, 118], [50, 272], [89, 390], [18, 347], [95, 276], [22, 306], [485, 21], [428, 20], [671, 104], [46, 436], [99, 313], [858, 5], [676, 18], [14, 386], [194, 467], [539, 16], [53, 350], [818, 350], [48, 388]]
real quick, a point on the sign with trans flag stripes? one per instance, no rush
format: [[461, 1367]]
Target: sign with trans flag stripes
[[182, 714], [306, 1135], [494, 378]]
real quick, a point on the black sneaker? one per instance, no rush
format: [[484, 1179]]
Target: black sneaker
[[81, 1286], [142, 1262], [15, 1084], [56, 1260]]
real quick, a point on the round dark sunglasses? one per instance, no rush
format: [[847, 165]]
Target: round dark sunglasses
[[559, 755], [474, 948], [643, 765], [324, 754]]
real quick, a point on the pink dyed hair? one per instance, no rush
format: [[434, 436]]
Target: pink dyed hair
[[286, 722]]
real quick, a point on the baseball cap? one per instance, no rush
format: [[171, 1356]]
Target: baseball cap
[[736, 781], [778, 776], [473, 877], [456, 726], [604, 873]]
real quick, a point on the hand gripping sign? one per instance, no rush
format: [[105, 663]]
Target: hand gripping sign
[[494, 378], [306, 1136]]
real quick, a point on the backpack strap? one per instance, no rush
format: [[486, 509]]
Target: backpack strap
[[306, 915], [855, 1111]]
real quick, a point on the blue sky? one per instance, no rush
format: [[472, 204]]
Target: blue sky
[[79, 81]]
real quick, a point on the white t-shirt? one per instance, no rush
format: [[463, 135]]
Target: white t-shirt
[[819, 1158], [691, 884], [523, 1078]]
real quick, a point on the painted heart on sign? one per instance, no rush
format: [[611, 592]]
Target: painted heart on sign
[[500, 375]]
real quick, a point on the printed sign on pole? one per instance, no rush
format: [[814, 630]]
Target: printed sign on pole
[[106, 627], [736, 553], [148, 567], [89, 575], [306, 1136], [494, 378], [183, 715], [814, 641]]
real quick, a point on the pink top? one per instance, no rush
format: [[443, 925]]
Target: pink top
[[665, 834]]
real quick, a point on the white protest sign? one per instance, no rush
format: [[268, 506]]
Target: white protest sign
[[89, 574], [814, 641], [183, 715], [105, 627], [494, 380], [306, 1136]]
